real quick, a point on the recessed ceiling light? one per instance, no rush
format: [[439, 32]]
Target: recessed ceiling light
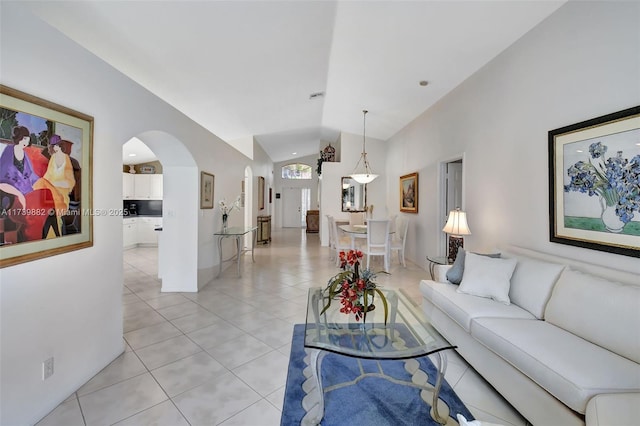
[[132, 155], [423, 83], [293, 153], [579, 150]]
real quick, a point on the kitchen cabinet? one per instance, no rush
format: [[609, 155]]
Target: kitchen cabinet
[[140, 231], [128, 182], [155, 190], [129, 233], [142, 186], [146, 234]]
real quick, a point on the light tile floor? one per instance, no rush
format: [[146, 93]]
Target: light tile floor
[[220, 356]]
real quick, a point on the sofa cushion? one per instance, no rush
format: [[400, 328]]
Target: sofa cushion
[[455, 273], [613, 409], [532, 283], [603, 312], [462, 308], [487, 277], [568, 367]]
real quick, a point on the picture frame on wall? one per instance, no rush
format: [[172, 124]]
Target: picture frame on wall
[[207, 181], [594, 196], [260, 193], [46, 181], [409, 193]]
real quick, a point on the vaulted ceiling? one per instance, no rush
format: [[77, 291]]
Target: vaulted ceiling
[[249, 68]]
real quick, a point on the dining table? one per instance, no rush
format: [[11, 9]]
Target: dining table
[[357, 231]]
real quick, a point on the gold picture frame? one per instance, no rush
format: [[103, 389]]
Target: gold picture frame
[[207, 181], [409, 193], [46, 179], [260, 193]]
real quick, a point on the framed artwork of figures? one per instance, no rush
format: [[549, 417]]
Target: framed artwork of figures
[[45, 179]]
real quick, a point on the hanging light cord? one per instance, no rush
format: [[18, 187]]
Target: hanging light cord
[[367, 169]]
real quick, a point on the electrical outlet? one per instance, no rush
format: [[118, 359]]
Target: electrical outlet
[[47, 368]]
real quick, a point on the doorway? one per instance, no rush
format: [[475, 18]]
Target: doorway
[[295, 203], [452, 192]]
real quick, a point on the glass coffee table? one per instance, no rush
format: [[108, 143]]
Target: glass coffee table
[[407, 334]]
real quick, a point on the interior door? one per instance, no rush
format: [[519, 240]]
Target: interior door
[[292, 208], [454, 186], [453, 192]]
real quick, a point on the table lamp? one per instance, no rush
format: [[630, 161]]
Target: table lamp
[[456, 227]]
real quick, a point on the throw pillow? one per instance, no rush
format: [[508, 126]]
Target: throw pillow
[[455, 273], [487, 277]]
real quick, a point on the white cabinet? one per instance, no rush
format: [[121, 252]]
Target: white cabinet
[[155, 192], [147, 236], [128, 182], [141, 187], [140, 231], [129, 232]]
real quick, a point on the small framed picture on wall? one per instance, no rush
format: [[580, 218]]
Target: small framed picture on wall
[[206, 190], [409, 193]]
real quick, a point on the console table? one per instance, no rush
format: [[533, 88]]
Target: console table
[[264, 229], [238, 233], [313, 221]]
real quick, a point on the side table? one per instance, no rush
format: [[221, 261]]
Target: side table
[[436, 260]]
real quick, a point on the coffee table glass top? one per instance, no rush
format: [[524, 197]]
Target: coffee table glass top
[[407, 334]]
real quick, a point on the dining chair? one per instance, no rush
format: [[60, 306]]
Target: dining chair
[[393, 222], [340, 242], [399, 240], [356, 218], [378, 241], [332, 244]]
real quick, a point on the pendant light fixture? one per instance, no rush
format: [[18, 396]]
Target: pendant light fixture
[[363, 174]]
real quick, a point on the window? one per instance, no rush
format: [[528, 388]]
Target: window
[[297, 171]]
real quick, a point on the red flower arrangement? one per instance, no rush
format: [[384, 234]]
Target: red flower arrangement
[[355, 288]]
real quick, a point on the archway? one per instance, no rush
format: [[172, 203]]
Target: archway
[[178, 248]]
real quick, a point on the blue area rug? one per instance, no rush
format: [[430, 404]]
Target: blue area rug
[[370, 400]]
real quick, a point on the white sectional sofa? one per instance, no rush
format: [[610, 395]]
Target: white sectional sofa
[[563, 348]]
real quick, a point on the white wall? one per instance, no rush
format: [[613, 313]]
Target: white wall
[[265, 168], [69, 306], [580, 63]]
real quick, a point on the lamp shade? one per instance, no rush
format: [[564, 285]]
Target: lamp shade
[[457, 223], [363, 174], [363, 177]]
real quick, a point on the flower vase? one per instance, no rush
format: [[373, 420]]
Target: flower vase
[[225, 218], [610, 219], [368, 308]]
